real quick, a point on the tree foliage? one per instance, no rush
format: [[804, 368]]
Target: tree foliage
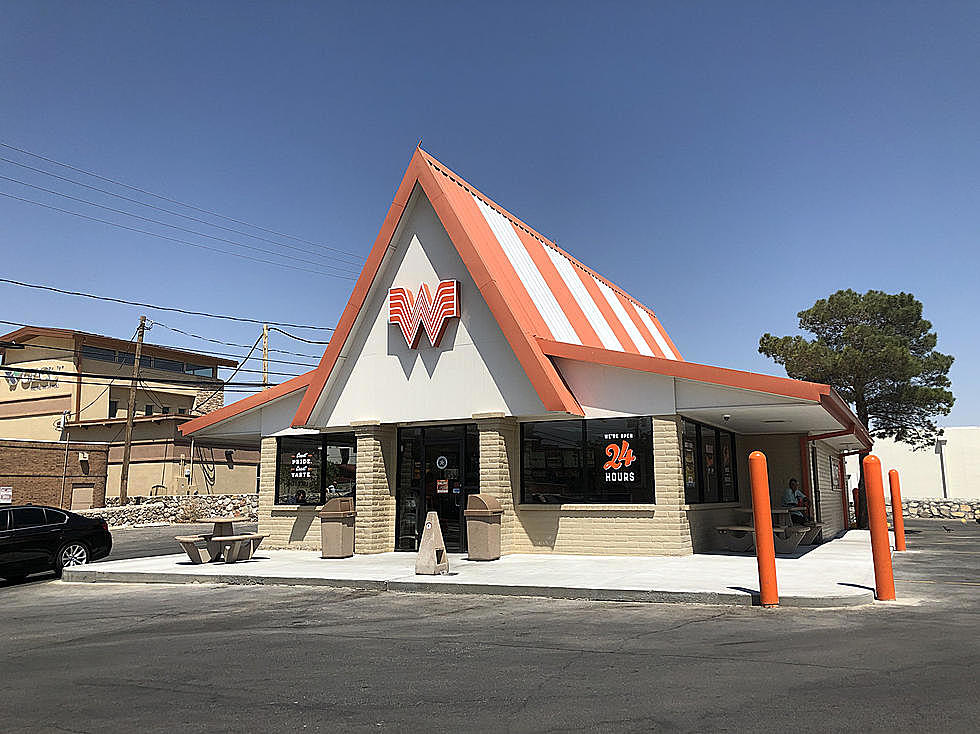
[[879, 353]]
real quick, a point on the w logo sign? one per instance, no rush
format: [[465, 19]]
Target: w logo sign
[[423, 311]]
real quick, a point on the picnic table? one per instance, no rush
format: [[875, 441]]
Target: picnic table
[[221, 543], [787, 536], [223, 525]]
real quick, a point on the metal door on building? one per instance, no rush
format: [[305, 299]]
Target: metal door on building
[[81, 496]]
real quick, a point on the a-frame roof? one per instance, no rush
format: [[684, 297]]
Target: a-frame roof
[[543, 299], [534, 289]]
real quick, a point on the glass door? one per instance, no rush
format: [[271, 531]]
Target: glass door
[[438, 467], [444, 489]]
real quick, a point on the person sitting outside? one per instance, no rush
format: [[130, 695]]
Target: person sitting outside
[[793, 497]]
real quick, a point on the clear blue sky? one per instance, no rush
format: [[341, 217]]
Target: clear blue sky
[[726, 163]]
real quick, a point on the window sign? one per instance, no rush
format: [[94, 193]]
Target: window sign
[[603, 460], [313, 469], [6, 495]]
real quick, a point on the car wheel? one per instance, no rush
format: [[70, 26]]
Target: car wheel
[[71, 554]]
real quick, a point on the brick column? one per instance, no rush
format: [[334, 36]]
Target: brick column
[[267, 492], [668, 472], [374, 528], [500, 469]]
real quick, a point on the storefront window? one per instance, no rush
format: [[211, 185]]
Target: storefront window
[[710, 473], [607, 460], [692, 489], [313, 469]]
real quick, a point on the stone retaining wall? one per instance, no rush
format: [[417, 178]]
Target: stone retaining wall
[[953, 509], [178, 509]]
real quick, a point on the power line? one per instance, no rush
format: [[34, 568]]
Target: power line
[[231, 344], [179, 349], [39, 286], [237, 369], [297, 338], [234, 243], [175, 201], [169, 211], [164, 380], [174, 239]]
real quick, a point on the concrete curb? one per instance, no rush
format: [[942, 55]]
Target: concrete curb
[[91, 575]]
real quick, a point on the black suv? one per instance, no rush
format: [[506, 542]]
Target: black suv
[[35, 539]]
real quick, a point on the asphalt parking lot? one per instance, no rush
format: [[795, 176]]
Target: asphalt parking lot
[[108, 658]]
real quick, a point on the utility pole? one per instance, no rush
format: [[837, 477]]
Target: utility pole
[[130, 412], [940, 442], [265, 356]]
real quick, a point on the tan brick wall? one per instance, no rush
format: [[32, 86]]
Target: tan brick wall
[[374, 527], [500, 471], [659, 529], [288, 526]]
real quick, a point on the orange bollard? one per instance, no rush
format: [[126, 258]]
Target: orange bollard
[[878, 522], [897, 520], [765, 547]]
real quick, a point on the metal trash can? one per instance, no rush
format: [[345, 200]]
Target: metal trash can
[[483, 515], [337, 528]]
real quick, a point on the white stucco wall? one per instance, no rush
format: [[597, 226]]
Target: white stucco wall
[[919, 470], [473, 370]]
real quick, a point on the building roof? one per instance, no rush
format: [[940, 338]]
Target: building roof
[[27, 333], [544, 300]]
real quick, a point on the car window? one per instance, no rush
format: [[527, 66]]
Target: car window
[[54, 517], [28, 517], [4, 514]]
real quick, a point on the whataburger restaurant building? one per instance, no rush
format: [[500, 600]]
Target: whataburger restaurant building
[[474, 355]]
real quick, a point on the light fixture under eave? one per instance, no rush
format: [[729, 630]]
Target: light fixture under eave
[[775, 420]]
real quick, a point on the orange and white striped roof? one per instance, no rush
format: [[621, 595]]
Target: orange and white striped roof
[[558, 297], [547, 304]]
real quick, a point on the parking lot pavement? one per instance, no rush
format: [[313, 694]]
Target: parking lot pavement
[[157, 541], [123, 658]]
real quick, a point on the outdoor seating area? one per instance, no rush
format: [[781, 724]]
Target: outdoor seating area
[[222, 544], [787, 535]]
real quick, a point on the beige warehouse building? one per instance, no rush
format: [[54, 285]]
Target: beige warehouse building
[[61, 385], [476, 356]]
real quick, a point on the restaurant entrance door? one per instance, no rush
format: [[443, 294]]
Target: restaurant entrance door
[[438, 467]]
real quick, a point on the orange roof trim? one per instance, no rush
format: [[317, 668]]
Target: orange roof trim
[[300, 382]]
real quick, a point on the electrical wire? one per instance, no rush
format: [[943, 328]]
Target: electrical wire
[[175, 239], [297, 338], [62, 291], [179, 349], [108, 385], [358, 258], [97, 379], [234, 243], [237, 370], [232, 344], [175, 201]]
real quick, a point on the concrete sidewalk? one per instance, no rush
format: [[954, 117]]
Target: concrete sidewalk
[[837, 573]]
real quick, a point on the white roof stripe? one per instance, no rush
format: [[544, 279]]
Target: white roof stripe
[[582, 297], [624, 318], [531, 278], [661, 342]]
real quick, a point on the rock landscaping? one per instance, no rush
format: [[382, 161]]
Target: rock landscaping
[[177, 509], [938, 508]]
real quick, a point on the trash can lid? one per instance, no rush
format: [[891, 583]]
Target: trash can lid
[[483, 503], [338, 507]]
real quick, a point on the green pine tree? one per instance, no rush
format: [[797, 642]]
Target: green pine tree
[[879, 353]]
